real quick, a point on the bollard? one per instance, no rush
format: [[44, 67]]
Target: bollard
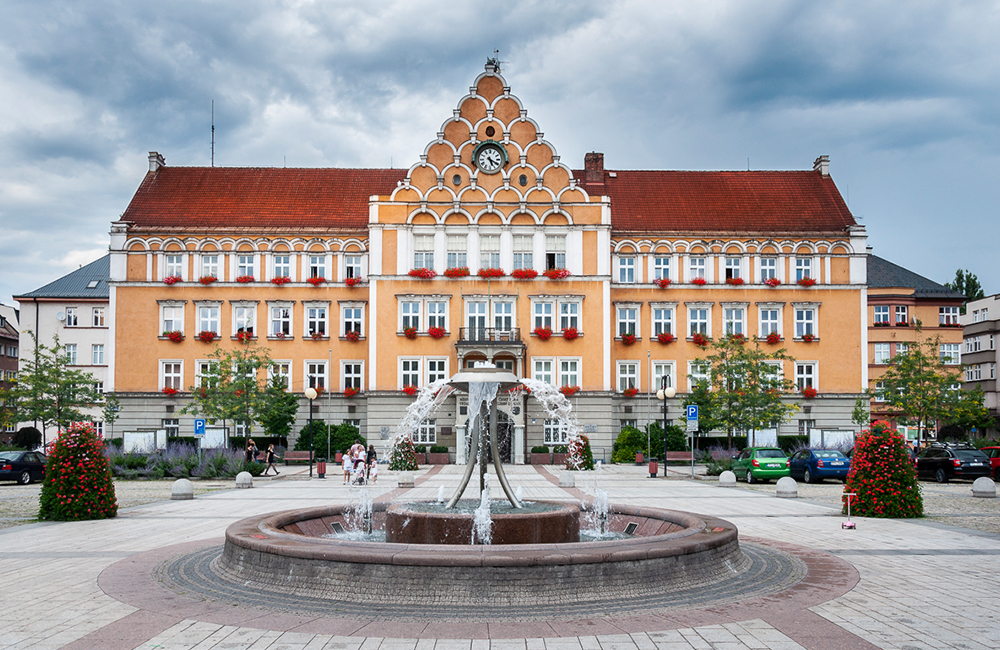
[[182, 490], [244, 480], [654, 468], [787, 488]]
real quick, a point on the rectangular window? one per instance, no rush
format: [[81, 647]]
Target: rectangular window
[[803, 268], [973, 344], [423, 251], [316, 321], [661, 268], [523, 247], [489, 251], [172, 319], [282, 266], [352, 374], [975, 316], [245, 319], [171, 374], [99, 387], [901, 316], [208, 318], [628, 375], [626, 320], [696, 268], [437, 315], [281, 321], [663, 320], [698, 321], [281, 369], [172, 426], [477, 319], [316, 375], [950, 353], [768, 268], [569, 315], [541, 369], [880, 391], [805, 426], [173, 265], [71, 317], [202, 370], [569, 372], [543, 314], [733, 266], [458, 246], [805, 322], [98, 317], [697, 373], [426, 433], [948, 315], [71, 354], [317, 266], [503, 316], [555, 251], [411, 314], [352, 266], [993, 370], [554, 432], [734, 321], [881, 353], [411, 372], [626, 269], [352, 319], [881, 313], [244, 266], [437, 369], [902, 348], [210, 266], [97, 354], [805, 375], [769, 319], [663, 369]]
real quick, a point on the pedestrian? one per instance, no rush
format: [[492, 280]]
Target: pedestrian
[[348, 466], [371, 458], [251, 451], [269, 458], [373, 472]]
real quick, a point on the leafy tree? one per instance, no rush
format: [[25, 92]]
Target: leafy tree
[[629, 442], [112, 406], [882, 476], [342, 436], [27, 438], [677, 438], [701, 396], [279, 409], [861, 415], [78, 481], [967, 284], [747, 387], [925, 391]]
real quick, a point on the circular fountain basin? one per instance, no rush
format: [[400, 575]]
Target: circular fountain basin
[[287, 552], [428, 523]]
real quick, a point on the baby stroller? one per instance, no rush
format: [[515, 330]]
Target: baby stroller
[[359, 475]]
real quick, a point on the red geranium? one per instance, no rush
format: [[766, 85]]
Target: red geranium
[[318, 280], [556, 274], [630, 392], [456, 272], [662, 283], [734, 281], [422, 273], [243, 336], [207, 336], [569, 391], [280, 280], [410, 332], [491, 273], [350, 391], [353, 335], [806, 282], [570, 333], [738, 338], [809, 392], [808, 338], [317, 336], [436, 332], [772, 282], [170, 391], [176, 336], [352, 282], [774, 338], [665, 337], [524, 274], [699, 339], [544, 333], [628, 338], [245, 279], [171, 279], [699, 281], [207, 279], [410, 390]]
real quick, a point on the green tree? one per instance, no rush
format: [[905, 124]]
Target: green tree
[[280, 408], [861, 415], [701, 396], [112, 406], [967, 284], [748, 385]]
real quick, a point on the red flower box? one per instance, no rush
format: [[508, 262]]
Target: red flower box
[[280, 280], [243, 336], [738, 338], [774, 338], [556, 274], [350, 391], [809, 392], [410, 390], [736, 282], [630, 392], [628, 339], [570, 333], [318, 280], [352, 282], [317, 336], [176, 336], [172, 279], [699, 281], [808, 338], [170, 391], [569, 391], [457, 272], [662, 283], [699, 339], [884, 323], [207, 279], [544, 333], [806, 282], [665, 337], [524, 274], [245, 279], [491, 273], [410, 332], [353, 336], [279, 335], [423, 274], [772, 282], [436, 332], [207, 336]]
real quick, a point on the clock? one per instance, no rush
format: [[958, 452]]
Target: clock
[[489, 157]]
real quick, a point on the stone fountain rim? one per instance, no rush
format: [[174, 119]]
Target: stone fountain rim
[[263, 534]]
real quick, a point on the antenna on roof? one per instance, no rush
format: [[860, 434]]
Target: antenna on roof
[[213, 133]]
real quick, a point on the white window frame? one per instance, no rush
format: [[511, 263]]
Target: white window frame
[[426, 433], [804, 325], [489, 251], [697, 370], [284, 268], [692, 324], [764, 327], [349, 378], [172, 377], [457, 253], [246, 264], [523, 247], [555, 251], [317, 265], [734, 318], [627, 269], [881, 354], [173, 264], [661, 266], [803, 268], [72, 319], [697, 267], [423, 251], [72, 353], [353, 263], [209, 317], [410, 313], [176, 319], [661, 368], [282, 368], [244, 313], [352, 317], [317, 318], [315, 372], [627, 316], [409, 374], [733, 267], [570, 368], [950, 354], [768, 267], [881, 314], [543, 314], [280, 318], [806, 374], [662, 317], [544, 369], [901, 310], [628, 375], [503, 315], [437, 316], [97, 317], [440, 372], [948, 315], [97, 354], [208, 267], [554, 432]]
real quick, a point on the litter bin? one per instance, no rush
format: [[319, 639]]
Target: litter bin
[[638, 458], [653, 468], [321, 467]]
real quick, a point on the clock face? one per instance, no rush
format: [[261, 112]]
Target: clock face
[[490, 159]]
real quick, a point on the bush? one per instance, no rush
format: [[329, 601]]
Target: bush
[[882, 476], [718, 459], [342, 437], [629, 442], [402, 457], [539, 449], [78, 482], [676, 440], [560, 449], [180, 461], [439, 449], [27, 438], [580, 457], [420, 449]]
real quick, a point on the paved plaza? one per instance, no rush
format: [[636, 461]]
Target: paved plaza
[[888, 584]]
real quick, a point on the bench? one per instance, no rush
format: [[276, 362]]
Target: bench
[[303, 456], [677, 456]]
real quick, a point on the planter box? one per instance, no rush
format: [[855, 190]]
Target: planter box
[[420, 458], [438, 459], [559, 459], [541, 459]]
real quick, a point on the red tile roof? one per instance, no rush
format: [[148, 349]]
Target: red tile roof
[[752, 201], [258, 197]]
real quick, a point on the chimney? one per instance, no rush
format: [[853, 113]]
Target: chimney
[[822, 165], [593, 164], [156, 161]]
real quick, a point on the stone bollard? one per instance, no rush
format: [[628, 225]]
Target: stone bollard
[[182, 490], [984, 488], [567, 480], [727, 479], [787, 488], [405, 481], [244, 480]]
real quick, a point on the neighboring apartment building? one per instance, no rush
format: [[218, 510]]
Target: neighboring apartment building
[[8, 365], [897, 300], [212, 253], [75, 308], [981, 323]]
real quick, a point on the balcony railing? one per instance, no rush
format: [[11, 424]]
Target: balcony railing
[[489, 335]]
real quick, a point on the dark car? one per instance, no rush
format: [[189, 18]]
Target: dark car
[[22, 466], [813, 465], [946, 462], [994, 456]]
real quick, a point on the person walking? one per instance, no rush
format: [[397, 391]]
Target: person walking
[[251, 451], [371, 458], [269, 458]]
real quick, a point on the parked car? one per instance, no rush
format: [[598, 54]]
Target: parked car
[[994, 455], [814, 465], [22, 466], [944, 462], [760, 464]]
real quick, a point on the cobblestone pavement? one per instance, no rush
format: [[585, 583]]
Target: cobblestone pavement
[[921, 583]]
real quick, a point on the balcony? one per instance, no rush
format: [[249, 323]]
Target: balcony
[[481, 335]]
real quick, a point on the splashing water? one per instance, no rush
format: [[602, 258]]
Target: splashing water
[[359, 517], [441, 494], [596, 517], [559, 408], [482, 522], [519, 494], [429, 398]]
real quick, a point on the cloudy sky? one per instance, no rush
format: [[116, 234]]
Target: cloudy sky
[[902, 96]]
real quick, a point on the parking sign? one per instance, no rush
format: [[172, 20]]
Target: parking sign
[[692, 411], [199, 428]]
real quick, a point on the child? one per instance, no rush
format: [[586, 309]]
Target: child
[[348, 466], [373, 472]]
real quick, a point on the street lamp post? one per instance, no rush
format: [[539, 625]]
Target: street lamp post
[[663, 394], [311, 395]]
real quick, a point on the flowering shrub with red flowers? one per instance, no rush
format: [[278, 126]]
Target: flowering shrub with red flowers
[[883, 323], [579, 455], [524, 274], [665, 337], [410, 390], [207, 336], [569, 391], [630, 392], [207, 279], [410, 332], [662, 283], [808, 338], [176, 336], [317, 336], [699, 281], [902, 323], [172, 279], [699, 339], [809, 392], [244, 336], [280, 280], [556, 274], [318, 280], [774, 338], [456, 272], [734, 281], [436, 332], [806, 282], [544, 333], [350, 391], [422, 273], [353, 335], [78, 481], [491, 273], [772, 282], [882, 476], [352, 282], [402, 455], [738, 338], [570, 333], [628, 338], [245, 279], [168, 390]]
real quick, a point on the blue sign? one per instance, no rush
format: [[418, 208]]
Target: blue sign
[[199, 427], [692, 411]]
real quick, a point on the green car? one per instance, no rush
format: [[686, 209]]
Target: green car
[[760, 464]]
